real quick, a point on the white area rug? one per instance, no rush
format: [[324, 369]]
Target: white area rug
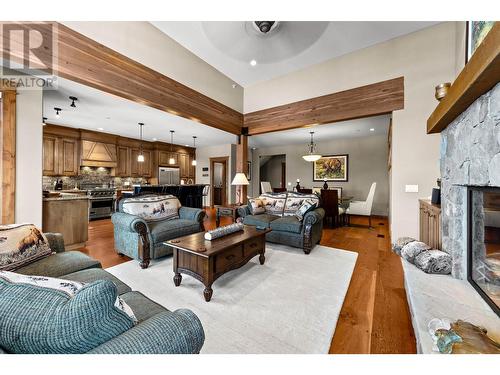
[[288, 305]]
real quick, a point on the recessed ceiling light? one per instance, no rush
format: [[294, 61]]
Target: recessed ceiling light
[[253, 62], [234, 85], [372, 129], [186, 145], [100, 128], [155, 139]]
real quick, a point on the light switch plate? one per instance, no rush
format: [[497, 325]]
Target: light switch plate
[[411, 188]]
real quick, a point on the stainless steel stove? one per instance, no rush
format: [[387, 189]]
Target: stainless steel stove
[[102, 200]]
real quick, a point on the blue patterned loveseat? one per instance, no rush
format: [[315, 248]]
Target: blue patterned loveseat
[[287, 229], [143, 240]]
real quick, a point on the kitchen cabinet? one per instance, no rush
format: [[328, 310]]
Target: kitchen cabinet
[[60, 156], [192, 168], [184, 165], [141, 169], [50, 165], [164, 158], [123, 161]]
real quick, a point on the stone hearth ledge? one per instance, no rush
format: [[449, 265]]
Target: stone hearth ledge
[[442, 296]]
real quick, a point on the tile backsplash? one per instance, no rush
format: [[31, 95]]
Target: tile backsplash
[[92, 175]]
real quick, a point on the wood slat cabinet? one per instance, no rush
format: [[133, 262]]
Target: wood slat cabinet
[[164, 158], [123, 161], [60, 156], [138, 169], [430, 224]]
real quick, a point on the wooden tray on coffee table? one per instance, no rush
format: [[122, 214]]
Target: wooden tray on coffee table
[[208, 260]]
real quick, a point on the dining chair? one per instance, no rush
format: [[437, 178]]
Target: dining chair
[[363, 208], [330, 203]]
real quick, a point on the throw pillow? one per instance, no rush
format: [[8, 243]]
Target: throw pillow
[[153, 208], [305, 207], [412, 249], [401, 241], [71, 318], [256, 206], [434, 261], [295, 200], [274, 204], [21, 244]]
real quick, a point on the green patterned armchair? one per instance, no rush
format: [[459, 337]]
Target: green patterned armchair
[[142, 240]]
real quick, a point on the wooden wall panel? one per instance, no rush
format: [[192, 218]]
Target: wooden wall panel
[[241, 164], [8, 162], [371, 100], [85, 61]]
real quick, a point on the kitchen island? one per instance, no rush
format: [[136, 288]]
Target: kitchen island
[[189, 195], [67, 214]]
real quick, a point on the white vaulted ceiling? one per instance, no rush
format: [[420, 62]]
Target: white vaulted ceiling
[[229, 46]]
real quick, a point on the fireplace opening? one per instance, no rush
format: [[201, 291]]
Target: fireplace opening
[[483, 249]]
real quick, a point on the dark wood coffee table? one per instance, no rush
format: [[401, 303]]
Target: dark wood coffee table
[[208, 260]]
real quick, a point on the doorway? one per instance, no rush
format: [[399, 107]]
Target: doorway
[[273, 170], [218, 180]]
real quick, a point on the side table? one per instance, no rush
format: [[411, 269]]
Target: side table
[[226, 210]]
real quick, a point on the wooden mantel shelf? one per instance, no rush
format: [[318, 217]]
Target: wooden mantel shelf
[[479, 75]]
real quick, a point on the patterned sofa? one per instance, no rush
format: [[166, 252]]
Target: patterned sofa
[[143, 240], [287, 229], [159, 331]]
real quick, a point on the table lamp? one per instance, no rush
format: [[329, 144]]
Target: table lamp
[[239, 180]]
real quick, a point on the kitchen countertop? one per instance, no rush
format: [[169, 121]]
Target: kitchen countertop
[[67, 197]]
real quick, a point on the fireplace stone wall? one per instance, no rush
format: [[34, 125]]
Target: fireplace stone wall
[[470, 156]]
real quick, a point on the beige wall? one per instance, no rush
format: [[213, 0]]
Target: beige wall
[[425, 59], [29, 134], [367, 164], [144, 43]]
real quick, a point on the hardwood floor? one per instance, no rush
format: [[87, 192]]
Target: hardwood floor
[[374, 317]]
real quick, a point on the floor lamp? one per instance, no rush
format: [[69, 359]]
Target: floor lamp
[[239, 180]]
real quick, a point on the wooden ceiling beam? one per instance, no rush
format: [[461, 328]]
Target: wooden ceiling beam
[[370, 100], [90, 63]]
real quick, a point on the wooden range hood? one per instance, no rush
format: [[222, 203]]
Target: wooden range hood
[[98, 149]]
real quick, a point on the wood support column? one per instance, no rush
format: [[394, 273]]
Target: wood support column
[[8, 161], [241, 163]]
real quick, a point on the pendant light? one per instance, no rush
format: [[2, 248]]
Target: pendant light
[[193, 163], [58, 111], [140, 157], [171, 161], [312, 155]]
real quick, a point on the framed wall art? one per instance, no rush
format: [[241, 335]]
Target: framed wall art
[[331, 168]]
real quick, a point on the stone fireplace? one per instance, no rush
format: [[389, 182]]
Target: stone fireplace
[[470, 160]]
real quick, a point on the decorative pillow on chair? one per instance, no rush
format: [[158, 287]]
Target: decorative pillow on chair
[[46, 315], [153, 208], [274, 204], [21, 244], [256, 206], [295, 200], [305, 207]]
